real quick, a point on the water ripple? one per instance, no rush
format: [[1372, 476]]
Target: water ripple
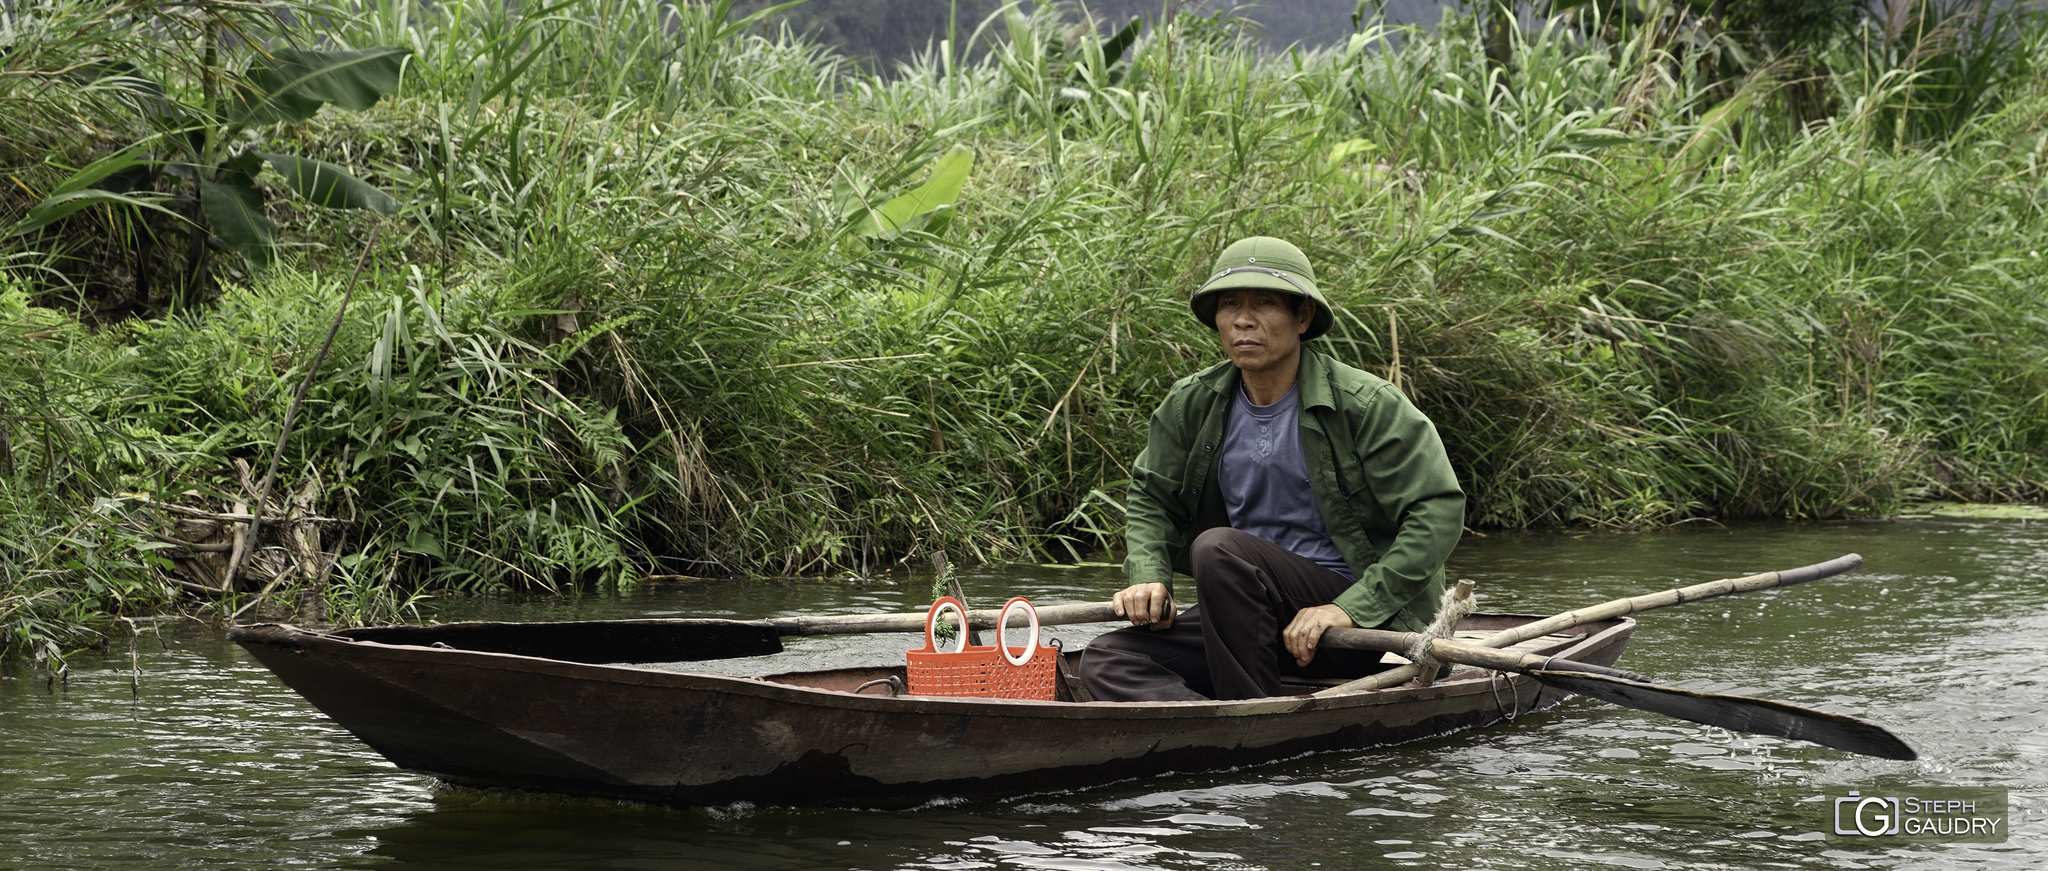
[[213, 764]]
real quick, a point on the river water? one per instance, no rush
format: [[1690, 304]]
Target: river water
[[184, 753]]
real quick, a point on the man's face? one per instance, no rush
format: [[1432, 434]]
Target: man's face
[[1260, 329]]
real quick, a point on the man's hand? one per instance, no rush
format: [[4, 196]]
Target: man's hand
[[1306, 630], [1145, 604]]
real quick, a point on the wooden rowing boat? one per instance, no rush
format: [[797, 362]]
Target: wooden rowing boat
[[451, 702]]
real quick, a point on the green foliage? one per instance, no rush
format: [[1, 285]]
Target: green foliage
[[284, 86], [1936, 67], [680, 296], [197, 125], [930, 206], [66, 556]]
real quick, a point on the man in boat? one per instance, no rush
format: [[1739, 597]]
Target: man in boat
[[1300, 493]]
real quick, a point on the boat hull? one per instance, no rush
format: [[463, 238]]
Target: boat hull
[[488, 719]]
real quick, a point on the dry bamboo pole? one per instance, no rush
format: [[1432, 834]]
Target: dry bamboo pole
[[1101, 612], [1621, 608]]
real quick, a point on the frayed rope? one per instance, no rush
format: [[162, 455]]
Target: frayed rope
[[1458, 601]]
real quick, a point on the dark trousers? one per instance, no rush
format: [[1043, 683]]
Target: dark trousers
[[1228, 645]]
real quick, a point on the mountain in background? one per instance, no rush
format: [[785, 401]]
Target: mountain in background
[[879, 33]]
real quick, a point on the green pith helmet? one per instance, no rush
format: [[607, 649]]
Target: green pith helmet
[[1264, 263]]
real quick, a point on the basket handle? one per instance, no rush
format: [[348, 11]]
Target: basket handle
[[931, 621], [1003, 625]]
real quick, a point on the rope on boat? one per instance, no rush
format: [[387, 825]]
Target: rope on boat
[[894, 683], [1458, 601], [1493, 681]]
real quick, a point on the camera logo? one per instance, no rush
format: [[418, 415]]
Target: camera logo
[[1939, 814], [1871, 816]]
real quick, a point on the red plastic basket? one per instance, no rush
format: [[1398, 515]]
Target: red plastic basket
[[998, 671]]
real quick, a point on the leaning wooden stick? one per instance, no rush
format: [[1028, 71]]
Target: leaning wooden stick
[[1621, 608], [254, 540]]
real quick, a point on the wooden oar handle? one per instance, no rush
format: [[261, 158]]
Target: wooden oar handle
[[1060, 615], [855, 624]]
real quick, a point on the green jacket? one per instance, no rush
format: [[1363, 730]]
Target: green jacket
[[1381, 478]]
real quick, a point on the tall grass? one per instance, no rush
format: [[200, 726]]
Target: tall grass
[[631, 318]]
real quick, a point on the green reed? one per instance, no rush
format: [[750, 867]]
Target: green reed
[[630, 318]]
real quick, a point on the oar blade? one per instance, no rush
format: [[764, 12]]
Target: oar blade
[[1738, 713]]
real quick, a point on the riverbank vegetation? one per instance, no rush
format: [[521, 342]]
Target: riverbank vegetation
[[660, 290]]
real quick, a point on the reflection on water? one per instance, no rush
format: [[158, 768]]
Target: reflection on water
[[213, 763]]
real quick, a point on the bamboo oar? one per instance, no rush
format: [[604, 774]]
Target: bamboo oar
[[1621, 608], [1739, 713]]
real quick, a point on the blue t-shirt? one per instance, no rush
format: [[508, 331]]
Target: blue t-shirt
[[1265, 480]]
